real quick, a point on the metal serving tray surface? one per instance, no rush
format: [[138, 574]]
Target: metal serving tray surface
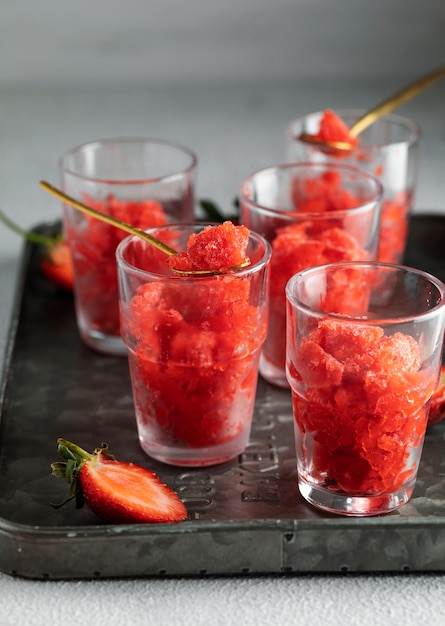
[[245, 516]]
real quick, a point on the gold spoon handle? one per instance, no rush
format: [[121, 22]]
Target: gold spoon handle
[[395, 100], [133, 230]]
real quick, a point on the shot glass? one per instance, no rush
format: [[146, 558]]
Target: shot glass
[[389, 150], [193, 346], [312, 214], [145, 182], [362, 370]]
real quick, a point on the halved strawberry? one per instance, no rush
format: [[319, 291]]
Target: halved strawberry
[[116, 491], [437, 404], [56, 262]]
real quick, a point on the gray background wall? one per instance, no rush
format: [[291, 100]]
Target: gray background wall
[[61, 42], [223, 77]]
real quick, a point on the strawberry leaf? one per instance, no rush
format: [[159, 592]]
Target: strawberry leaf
[[213, 212]]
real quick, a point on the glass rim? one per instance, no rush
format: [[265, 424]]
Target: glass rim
[[412, 126], [326, 166], [316, 312], [137, 271], [127, 140]]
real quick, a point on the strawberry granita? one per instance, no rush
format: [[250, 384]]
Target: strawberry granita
[[395, 211], [394, 227], [388, 150], [141, 181], [94, 257], [194, 341], [365, 410], [361, 382], [218, 249], [331, 214], [295, 248], [333, 128]]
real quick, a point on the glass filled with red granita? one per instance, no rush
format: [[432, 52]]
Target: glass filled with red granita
[[388, 149], [364, 350], [145, 182], [311, 214], [194, 335]]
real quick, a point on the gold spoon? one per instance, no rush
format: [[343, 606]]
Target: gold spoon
[[384, 107], [132, 230]]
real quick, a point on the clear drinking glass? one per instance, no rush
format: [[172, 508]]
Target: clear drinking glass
[[364, 350], [193, 347], [312, 214], [389, 150], [145, 182]]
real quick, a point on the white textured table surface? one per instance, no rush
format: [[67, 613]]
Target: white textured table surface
[[234, 129]]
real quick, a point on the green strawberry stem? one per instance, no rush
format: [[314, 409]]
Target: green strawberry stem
[[75, 457], [28, 235], [71, 451]]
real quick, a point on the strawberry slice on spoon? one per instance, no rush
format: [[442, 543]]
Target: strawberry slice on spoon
[[118, 492]]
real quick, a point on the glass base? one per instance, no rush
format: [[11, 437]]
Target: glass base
[[196, 457], [358, 506], [106, 344], [273, 374]]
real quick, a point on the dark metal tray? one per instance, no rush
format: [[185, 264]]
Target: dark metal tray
[[246, 516]]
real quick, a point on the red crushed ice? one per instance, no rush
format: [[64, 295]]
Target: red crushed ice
[[196, 344], [394, 222], [216, 248], [333, 128], [95, 255], [365, 405]]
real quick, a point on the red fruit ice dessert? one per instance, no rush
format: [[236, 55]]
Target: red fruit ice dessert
[[323, 193], [308, 243], [333, 128], [95, 261], [216, 249], [395, 210], [394, 227], [360, 401], [194, 344]]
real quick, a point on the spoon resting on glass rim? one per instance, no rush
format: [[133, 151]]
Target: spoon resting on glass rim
[[381, 109], [138, 232]]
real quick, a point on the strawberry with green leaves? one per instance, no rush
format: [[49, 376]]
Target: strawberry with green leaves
[[117, 492], [55, 263]]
